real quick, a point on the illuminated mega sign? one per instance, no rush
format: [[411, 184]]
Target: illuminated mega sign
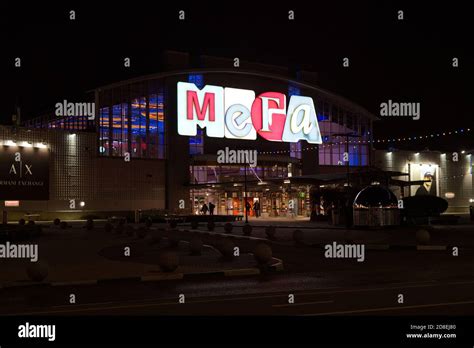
[[237, 114]]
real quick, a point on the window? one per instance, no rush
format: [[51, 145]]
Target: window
[[133, 124], [119, 130], [295, 150], [156, 126], [139, 146], [104, 131]]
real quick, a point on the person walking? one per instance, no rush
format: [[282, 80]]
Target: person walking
[[248, 207], [256, 208], [204, 209], [211, 208]]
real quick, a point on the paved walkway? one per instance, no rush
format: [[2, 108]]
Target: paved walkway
[[317, 233], [74, 255]]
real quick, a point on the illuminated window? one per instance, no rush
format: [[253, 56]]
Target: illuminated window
[[139, 145], [133, 124], [104, 131], [119, 130], [156, 126]]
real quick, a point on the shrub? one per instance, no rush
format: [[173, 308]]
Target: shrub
[[57, 222], [247, 230], [37, 271], [195, 246], [21, 222], [228, 227], [168, 261], [263, 253], [194, 225], [270, 231], [423, 237]]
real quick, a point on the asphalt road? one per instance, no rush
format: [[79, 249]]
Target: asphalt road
[[429, 297], [432, 282]]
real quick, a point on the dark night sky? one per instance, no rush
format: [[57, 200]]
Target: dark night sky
[[407, 61]]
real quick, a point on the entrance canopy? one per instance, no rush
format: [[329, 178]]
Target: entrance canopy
[[355, 178]]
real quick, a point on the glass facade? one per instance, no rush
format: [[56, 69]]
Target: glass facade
[[202, 174], [73, 123], [336, 121], [131, 120], [135, 125]]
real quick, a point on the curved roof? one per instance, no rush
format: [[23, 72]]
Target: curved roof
[[341, 100], [376, 196]]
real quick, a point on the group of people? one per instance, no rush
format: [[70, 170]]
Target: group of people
[[256, 208], [210, 208], [205, 209]]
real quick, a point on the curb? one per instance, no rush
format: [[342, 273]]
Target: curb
[[241, 272], [431, 247], [80, 282], [170, 276], [228, 235], [277, 266]]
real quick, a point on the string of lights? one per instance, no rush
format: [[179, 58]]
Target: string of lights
[[460, 131]]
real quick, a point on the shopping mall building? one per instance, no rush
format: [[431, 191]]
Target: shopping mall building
[[154, 143]]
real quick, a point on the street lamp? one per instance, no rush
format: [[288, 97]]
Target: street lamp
[[347, 135], [245, 194]]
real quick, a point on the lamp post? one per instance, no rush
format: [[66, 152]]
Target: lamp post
[[347, 135], [245, 194], [348, 207]]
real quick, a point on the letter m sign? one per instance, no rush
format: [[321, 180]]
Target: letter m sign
[[203, 108]]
